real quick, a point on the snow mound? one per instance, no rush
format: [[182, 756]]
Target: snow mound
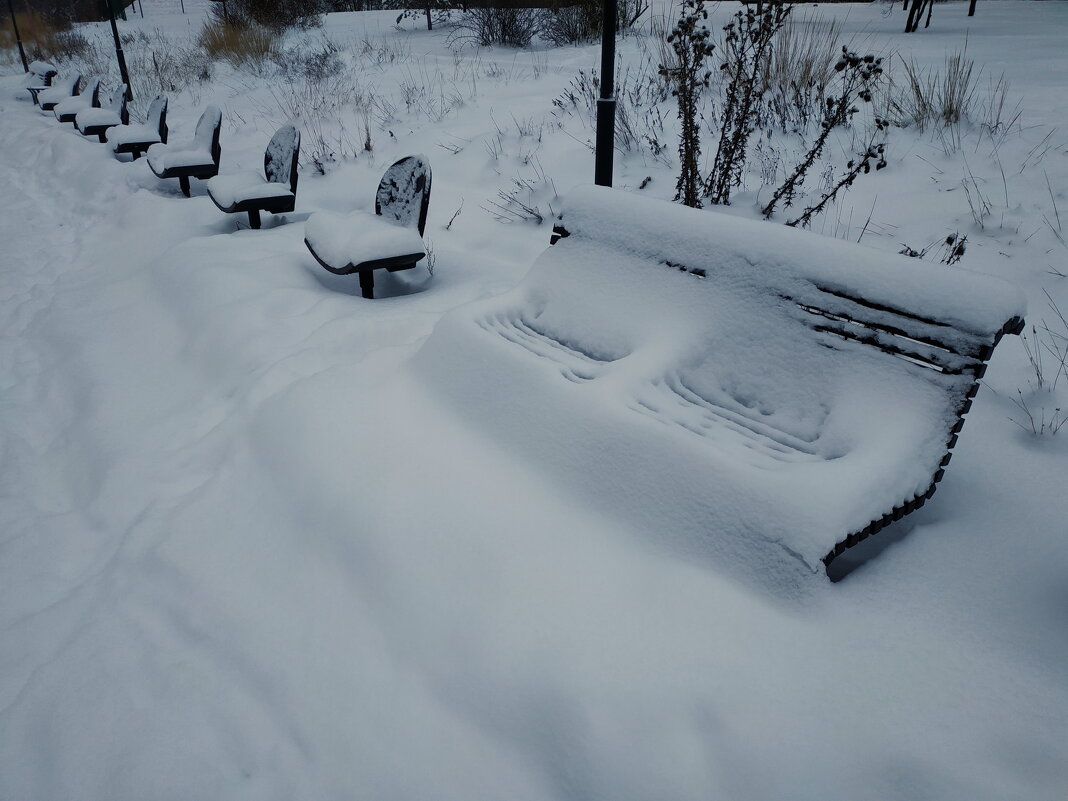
[[662, 362]]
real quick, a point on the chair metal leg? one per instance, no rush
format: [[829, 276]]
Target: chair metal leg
[[367, 283], [253, 218], [183, 181]]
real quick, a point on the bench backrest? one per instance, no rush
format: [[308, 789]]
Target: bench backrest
[[206, 134], [280, 158], [93, 90], [157, 116], [404, 192], [44, 71], [117, 103], [69, 85]]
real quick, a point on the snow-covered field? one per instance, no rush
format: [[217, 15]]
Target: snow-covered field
[[248, 551]]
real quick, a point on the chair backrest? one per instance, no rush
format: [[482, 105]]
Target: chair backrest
[[280, 158], [207, 132], [118, 104], [93, 89], [157, 116], [404, 192], [70, 84]]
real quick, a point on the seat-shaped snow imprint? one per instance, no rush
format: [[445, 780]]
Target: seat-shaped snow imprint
[[736, 389]]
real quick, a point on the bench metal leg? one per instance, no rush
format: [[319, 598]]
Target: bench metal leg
[[103, 136], [183, 181], [253, 218], [367, 283]]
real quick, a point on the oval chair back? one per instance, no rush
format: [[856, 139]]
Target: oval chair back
[[157, 116], [206, 134], [404, 192], [93, 88], [117, 103], [280, 158]]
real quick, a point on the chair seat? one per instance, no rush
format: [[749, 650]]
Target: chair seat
[[163, 158], [50, 97], [132, 135], [234, 190], [97, 118], [343, 242], [67, 109]]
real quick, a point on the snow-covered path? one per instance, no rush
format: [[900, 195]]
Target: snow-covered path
[[246, 554]]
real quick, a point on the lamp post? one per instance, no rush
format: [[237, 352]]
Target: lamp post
[[606, 103], [18, 37], [118, 51]]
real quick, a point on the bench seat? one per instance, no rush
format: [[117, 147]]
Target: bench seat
[[122, 137], [738, 390], [347, 243], [59, 91], [235, 189], [90, 121], [197, 158], [67, 110]]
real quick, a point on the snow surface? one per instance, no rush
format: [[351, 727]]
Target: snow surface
[[247, 552]]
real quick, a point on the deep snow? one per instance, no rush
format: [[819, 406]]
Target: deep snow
[[246, 551]]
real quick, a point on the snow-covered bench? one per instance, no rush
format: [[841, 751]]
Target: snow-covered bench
[[59, 91], [135, 139], [198, 158], [67, 109], [97, 121], [40, 74], [275, 191], [730, 386], [390, 239]]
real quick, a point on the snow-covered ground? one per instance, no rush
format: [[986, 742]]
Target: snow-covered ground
[[247, 551]]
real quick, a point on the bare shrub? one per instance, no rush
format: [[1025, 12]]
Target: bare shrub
[[859, 73], [45, 36], [514, 27], [276, 15], [690, 41], [246, 46], [746, 42], [799, 70], [1041, 413]]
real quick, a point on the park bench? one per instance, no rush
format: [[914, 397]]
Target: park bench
[[390, 239], [275, 191], [734, 387], [66, 110], [97, 121], [198, 158], [60, 90], [41, 74], [136, 139]]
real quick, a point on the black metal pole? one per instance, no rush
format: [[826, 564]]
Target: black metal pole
[[971, 8], [118, 52], [18, 38], [141, 7], [606, 103]]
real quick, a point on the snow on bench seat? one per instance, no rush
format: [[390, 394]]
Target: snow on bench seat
[[59, 91], [347, 240], [240, 187], [736, 389], [67, 109]]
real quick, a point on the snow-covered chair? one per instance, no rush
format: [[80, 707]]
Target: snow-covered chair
[[59, 91], [40, 76], [390, 239], [275, 191], [135, 139], [198, 158], [66, 110], [97, 121], [744, 391]]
